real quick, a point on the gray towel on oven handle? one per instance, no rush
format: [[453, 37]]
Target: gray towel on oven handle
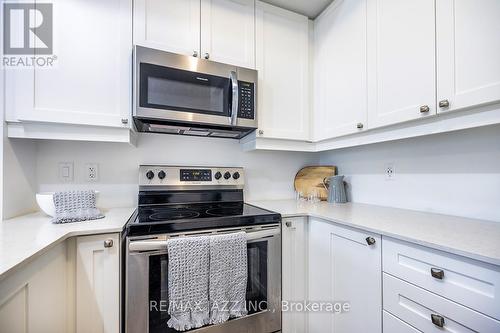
[[228, 276], [188, 268]]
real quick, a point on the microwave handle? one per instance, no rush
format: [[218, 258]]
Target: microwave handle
[[234, 101]]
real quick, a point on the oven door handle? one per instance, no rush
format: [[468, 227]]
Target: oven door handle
[[235, 96], [157, 245]]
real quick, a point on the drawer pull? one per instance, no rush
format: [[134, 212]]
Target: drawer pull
[[370, 240], [437, 320], [437, 273]]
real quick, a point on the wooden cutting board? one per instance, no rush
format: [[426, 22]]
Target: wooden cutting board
[[311, 178]]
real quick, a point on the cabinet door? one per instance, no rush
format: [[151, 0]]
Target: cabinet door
[[228, 31], [282, 50], [98, 284], [344, 268], [468, 53], [170, 25], [294, 273], [340, 96], [35, 298], [401, 61], [90, 82]]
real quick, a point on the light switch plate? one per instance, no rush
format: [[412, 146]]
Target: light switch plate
[[66, 174]]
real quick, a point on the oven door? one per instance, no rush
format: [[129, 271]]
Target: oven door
[[147, 281]]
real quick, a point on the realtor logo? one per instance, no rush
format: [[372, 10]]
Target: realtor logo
[[27, 29]]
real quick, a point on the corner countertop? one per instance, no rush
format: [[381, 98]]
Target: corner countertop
[[24, 237], [476, 239]]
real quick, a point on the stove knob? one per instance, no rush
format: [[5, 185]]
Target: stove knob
[[218, 175], [162, 174], [150, 175], [236, 175], [227, 175]]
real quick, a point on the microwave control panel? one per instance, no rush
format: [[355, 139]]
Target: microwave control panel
[[246, 105]]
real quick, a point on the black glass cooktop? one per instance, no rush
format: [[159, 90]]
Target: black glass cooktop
[[182, 217]]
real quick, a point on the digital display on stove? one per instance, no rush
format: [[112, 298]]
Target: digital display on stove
[[196, 175]]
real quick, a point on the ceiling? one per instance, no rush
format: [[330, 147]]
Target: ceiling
[[310, 8]]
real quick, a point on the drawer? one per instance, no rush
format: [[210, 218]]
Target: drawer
[[395, 325], [469, 282], [415, 306]]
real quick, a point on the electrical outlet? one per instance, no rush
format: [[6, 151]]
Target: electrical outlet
[[66, 172], [390, 171], [92, 172]]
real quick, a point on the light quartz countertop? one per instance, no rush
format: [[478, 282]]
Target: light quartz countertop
[[476, 239], [24, 237]]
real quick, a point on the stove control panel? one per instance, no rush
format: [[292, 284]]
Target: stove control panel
[[180, 176]]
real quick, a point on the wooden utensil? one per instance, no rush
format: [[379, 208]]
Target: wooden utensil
[[312, 178]]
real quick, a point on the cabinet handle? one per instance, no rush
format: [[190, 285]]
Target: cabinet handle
[[370, 240], [437, 320], [288, 224], [124, 121], [444, 103], [437, 273], [108, 243], [261, 132], [424, 108], [195, 53], [207, 55], [359, 125]]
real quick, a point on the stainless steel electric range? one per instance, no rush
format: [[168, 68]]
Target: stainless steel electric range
[[191, 201]]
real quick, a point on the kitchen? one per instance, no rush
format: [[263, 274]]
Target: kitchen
[[402, 97]]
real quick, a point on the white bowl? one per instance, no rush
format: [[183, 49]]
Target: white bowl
[[45, 201]]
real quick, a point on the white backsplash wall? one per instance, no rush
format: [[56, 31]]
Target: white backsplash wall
[[19, 177], [454, 173], [269, 175]]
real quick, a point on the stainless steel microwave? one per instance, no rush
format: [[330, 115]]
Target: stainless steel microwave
[[178, 94]]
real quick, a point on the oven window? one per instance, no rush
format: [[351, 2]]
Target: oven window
[[185, 91], [256, 295]]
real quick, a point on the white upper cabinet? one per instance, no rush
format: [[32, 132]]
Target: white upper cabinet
[[340, 96], [218, 30], [401, 61], [169, 25], [468, 53], [90, 82], [228, 31], [282, 54]]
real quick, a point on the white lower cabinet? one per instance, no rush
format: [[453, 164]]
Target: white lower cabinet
[[98, 284], [73, 287], [34, 299], [429, 312], [435, 291], [394, 325], [294, 273], [343, 267]]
